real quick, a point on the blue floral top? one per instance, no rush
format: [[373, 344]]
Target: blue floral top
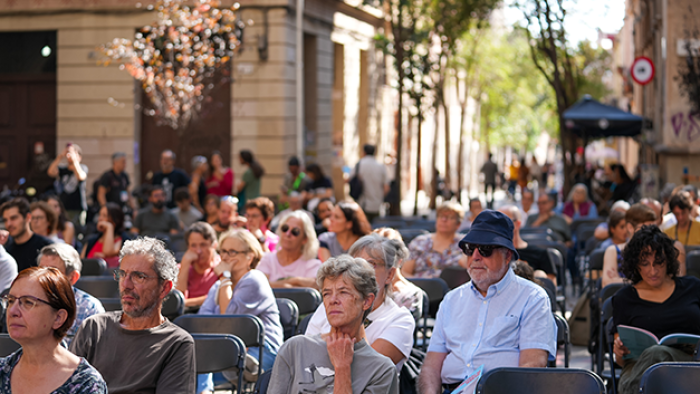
[[85, 378]]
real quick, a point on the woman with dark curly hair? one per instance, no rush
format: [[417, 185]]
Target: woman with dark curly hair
[[107, 241], [658, 301], [347, 224]]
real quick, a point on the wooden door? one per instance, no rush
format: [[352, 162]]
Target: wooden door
[[209, 132], [27, 129]]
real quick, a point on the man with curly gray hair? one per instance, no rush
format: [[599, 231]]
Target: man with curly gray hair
[[137, 349], [339, 361]]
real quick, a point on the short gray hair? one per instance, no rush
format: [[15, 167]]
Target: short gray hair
[[389, 251], [67, 254], [310, 249], [356, 270], [163, 260]]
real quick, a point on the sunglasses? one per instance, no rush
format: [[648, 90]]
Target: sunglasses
[[295, 230], [484, 250]]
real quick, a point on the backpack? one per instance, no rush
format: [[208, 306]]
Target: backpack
[[356, 186]]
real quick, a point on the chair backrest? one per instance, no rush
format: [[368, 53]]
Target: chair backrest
[[408, 234], [7, 345], [289, 316], [111, 304], [550, 244], [557, 261], [435, 288], [584, 222], [671, 378], [219, 352], [306, 298], [247, 327], [609, 291], [304, 324], [177, 243], [174, 305], [563, 337], [454, 276], [424, 224], [692, 263], [551, 290], [262, 383], [99, 286], [538, 236], [93, 267], [540, 381], [595, 260]]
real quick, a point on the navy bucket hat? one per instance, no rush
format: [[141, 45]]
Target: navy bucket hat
[[491, 228]]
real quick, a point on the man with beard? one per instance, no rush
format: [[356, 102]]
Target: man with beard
[[156, 219], [495, 320], [228, 216], [19, 240], [137, 350]]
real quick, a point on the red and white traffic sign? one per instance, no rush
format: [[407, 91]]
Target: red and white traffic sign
[[642, 70]]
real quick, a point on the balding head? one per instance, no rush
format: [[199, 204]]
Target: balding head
[[656, 206]]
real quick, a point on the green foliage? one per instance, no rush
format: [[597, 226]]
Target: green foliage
[[592, 64]]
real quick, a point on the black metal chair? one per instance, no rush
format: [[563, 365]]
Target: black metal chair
[[306, 298], [423, 324], [7, 345], [671, 378], [556, 259], [303, 324], [551, 290], [692, 264], [249, 328], [584, 222], [289, 316], [454, 276], [219, 352], [408, 234], [563, 337], [99, 286], [174, 305], [605, 313], [540, 381], [93, 267], [436, 289], [262, 383]]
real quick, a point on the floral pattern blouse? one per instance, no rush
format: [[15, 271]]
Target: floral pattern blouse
[[429, 263], [85, 378]]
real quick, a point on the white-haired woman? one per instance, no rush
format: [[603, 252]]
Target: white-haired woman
[[243, 291], [578, 205], [389, 327], [339, 360], [294, 263]]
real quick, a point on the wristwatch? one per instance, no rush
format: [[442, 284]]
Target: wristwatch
[[227, 275], [262, 239]]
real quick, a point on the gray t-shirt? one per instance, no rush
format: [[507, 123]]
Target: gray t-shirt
[[150, 223], [189, 217], [156, 360], [330, 241], [489, 169], [303, 366]]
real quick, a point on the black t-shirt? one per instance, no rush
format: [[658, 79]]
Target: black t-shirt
[[538, 259], [324, 183], [116, 185], [71, 190], [680, 313], [171, 182], [25, 254]]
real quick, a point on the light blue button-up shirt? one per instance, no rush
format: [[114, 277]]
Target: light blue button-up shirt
[[473, 330]]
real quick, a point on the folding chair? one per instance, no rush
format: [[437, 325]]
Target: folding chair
[[93, 267], [436, 289], [605, 313], [306, 298], [454, 276], [551, 290], [563, 337], [692, 263], [671, 378], [248, 328], [99, 286], [424, 326], [7, 345], [557, 261], [219, 352], [584, 222], [540, 381], [262, 383], [289, 316], [409, 234], [304, 324], [174, 305]]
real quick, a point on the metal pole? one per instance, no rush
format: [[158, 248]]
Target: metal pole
[[300, 80]]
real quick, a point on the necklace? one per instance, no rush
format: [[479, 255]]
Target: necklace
[[690, 225]]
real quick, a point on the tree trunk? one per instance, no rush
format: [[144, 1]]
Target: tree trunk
[[395, 206], [419, 147], [448, 166], [434, 180]]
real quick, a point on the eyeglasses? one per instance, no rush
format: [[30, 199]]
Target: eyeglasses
[[295, 230], [37, 218], [484, 250], [231, 253], [448, 217], [136, 277], [26, 303]]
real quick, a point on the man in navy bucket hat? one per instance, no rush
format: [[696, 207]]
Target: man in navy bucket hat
[[495, 320]]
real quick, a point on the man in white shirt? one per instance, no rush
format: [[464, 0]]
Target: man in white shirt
[[375, 182]]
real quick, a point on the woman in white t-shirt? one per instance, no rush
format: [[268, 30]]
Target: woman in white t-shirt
[[294, 263], [389, 327]]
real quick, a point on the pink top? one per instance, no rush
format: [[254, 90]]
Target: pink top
[[271, 240], [199, 284], [222, 187], [112, 262], [271, 267]]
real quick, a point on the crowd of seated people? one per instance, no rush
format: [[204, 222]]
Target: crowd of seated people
[[362, 334]]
